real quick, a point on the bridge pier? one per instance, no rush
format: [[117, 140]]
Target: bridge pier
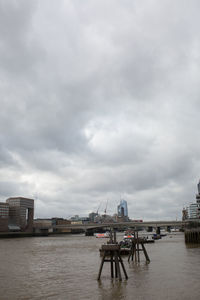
[[111, 253], [168, 228], [89, 232], [158, 230]]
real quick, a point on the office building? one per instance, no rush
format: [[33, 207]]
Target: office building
[[21, 213], [193, 211], [122, 209], [198, 200], [92, 216], [4, 215]]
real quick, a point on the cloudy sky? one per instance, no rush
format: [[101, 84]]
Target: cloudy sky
[[100, 101]]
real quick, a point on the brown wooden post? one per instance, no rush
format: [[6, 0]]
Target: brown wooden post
[[111, 264], [101, 266], [116, 270], [145, 252], [111, 236], [135, 249], [118, 267], [132, 250], [122, 264], [113, 250], [115, 238]]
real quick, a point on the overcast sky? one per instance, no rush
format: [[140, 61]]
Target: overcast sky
[[100, 101]]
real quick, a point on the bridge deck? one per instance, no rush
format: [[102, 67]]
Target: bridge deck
[[124, 224]]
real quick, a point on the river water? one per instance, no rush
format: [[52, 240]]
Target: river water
[[66, 267]]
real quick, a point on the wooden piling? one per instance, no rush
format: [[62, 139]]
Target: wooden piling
[[135, 249], [192, 236], [113, 252]]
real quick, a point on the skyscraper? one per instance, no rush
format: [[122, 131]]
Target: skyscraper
[[193, 210], [198, 201], [122, 209], [198, 187]]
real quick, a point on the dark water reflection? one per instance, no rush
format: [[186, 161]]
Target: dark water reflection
[[66, 267]]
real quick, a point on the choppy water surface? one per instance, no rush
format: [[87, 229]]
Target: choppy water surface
[[66, 267]]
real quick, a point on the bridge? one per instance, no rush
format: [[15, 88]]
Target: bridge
[[135, 225]]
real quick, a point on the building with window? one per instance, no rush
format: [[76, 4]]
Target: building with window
[[21, 213], [92, 216], [193, 211], [4, 215], [198, 201], [122, 210]]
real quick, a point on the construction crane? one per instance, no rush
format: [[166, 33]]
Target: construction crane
[[106, 207], [98, 209]]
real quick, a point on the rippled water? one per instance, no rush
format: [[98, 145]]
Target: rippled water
[[66, 267]]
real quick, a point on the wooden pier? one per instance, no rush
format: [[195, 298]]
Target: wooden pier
[[136, 249], [111, 253], [192, 236]]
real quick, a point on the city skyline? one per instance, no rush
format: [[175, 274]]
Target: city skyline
[[100, 100]]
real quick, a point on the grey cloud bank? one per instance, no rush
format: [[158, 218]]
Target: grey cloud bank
[[100, 99]]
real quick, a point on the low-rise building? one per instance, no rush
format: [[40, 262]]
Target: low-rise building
[[185, 213], [61, 221], [77, 222], [92, 216], [42, 226]]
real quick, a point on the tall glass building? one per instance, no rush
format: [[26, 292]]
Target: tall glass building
[[122, 209], [198, 200], [193, 210], [198, 186]]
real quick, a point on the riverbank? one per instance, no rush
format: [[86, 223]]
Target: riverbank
[[4, 235]]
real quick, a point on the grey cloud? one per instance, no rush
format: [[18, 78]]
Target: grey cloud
[[18, 51], [99, 100], [6, 158]]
